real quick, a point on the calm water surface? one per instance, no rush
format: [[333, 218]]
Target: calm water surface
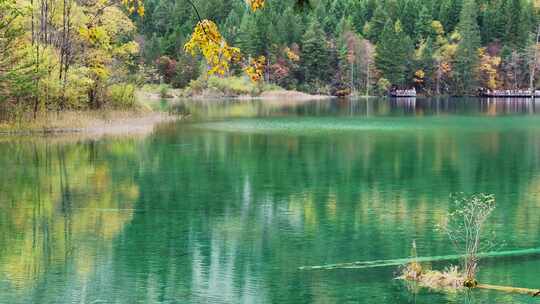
[[224, 207]]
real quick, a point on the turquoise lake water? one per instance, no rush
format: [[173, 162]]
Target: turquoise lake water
[[224, 206]]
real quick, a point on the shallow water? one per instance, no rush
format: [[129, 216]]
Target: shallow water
[[224, 207]]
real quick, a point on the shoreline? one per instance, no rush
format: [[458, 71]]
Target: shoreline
[[266, 95], [93, 124], [141, 119]]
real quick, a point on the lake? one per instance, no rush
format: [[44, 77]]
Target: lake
[[223, 207]]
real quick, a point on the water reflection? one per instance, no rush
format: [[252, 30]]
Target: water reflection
[[194, 215], [62, 206], [205, 109]]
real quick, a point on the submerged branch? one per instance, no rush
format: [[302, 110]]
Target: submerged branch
[[403, 261], [451, 280], [509, 289]]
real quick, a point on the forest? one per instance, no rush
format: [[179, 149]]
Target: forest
[[92, 54]]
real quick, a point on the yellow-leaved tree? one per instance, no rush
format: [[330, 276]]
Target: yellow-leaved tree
[[207, 39], [488, 69], [134, 6], [219, 55], [255, 4]]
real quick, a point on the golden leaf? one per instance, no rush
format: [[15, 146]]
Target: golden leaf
[[207, 40], [255, 69], [255, 4]]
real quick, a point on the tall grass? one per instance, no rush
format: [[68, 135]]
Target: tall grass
[[232, 86], [121, 96]]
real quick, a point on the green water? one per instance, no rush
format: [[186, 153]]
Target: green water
[[223, 207]]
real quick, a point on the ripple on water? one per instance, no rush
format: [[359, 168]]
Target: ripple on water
[[314, 125]]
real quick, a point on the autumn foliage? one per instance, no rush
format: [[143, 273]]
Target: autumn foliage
[[255, 69], [134, 6], [255, 4], [488, 69], [207, 39]]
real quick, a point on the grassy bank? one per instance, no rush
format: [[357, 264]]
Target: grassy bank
[[98, 122], [226, 87], [127, 107], [222, 87], [138, 116]]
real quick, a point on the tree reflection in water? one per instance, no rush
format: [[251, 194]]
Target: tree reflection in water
[[199, 214]]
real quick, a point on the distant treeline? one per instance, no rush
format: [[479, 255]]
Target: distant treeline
[[369, 46], [73, 54]]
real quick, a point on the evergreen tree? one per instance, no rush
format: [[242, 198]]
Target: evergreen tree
[[519, 19], [250, 39], [434, 6], [493, 23], [409, 13], [333, 15], [370, 7], [315, 54], [449, 13], [512, 9], [359, 13], [527, 24], [467, 52], [531, 59], [422, 28], [425, 63], [289, 26], [377, 23], [232, 25], [392, 8], [344, 41], [152, 49], [162, 16], [393, 54]]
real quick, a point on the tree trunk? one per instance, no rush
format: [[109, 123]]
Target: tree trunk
[[534, 63], [527, 291]]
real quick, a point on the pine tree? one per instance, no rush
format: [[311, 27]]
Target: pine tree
[[512, 9], [409, 13], [232, 25], [377, 24], [152, 49], [251, 39], [260, 34], [527, 23], [449, 13], [345, 51], [162, 15], [393, 54], [422, 28], [392, 8], [493, 24], [333, 15], [315, 54], [359, 13], [467, 53], [434, 6], [289, 26], [425, 63], [531, 58]]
